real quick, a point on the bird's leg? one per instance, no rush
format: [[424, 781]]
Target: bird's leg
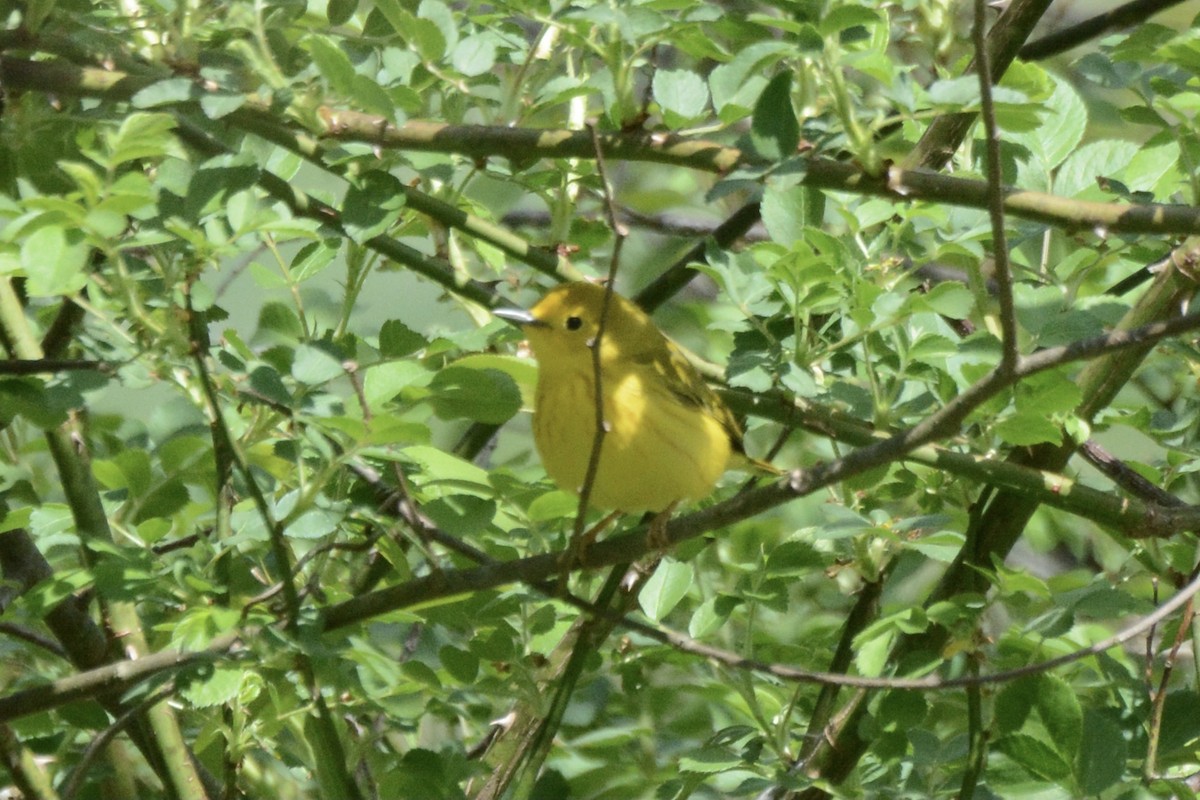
[[656, 536], [576, 551]]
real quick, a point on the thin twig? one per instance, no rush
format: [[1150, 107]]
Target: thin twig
[[226, 444], [1159, 702], [22, 366], [686, 644], [1120, 17], [1124, 476], [619, 234], [34, 638], [95, 747], [976, 734], [1003, 270]]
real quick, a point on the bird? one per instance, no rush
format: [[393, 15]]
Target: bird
[[668, 436]]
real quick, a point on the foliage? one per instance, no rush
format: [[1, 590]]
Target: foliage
[[264, 446]]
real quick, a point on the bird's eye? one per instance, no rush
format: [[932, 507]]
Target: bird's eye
[[574, 323]]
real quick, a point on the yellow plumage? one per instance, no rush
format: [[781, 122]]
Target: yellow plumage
[[669, 437]]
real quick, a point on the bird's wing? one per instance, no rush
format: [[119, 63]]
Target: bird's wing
[[688, 388]]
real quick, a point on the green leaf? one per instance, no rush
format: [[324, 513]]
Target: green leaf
[[793, 558], [15, 518], [166, 92], [475, 54], [665, 588], [710, 760], [443, 19], [339, 12], [483, 395], [462, 665], [372, 205], [314, 365], [371, 97], [54, 259], [28, 398], [682, 95], [901, 710], [774, 131], [167, 499], [1062, 129], [1048, 393], [461, 515], [942, 546], [843, 17], [1058, 707], [221, 686], [397, 340], [736, 85], [141, 136], [441, 473], [315, 523], [1027, 429], [1102, 753], [1035, 756], [383, 382], [1078, 174], [49, 593], [711, 615], [784, 212], [333, 64], [949, 299], [1181, 721]]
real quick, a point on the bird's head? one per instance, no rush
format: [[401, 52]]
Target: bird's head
[[564, 323]]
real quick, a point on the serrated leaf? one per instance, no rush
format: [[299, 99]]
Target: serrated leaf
[[474, 55], [665, 588], [1035, 756], [843, 17], [314, 523], [442, 473], [710, 760], [15, 518], [793, 558], [461, 515], [680, 92], [166, 92], [397, 340], [333, 64], [164, 501], [54, 259], [1102, 753], [141, 135], [783, 213], [339, 12], [1058, 706], [950, 299], [314, 365], [462, 665], [1027, 429], [1180, 722], [372, 205], [482, 395], [1093, 160], [942, 546], [1063, 128], [383, 382], [221, 686], [774, 130], [711, 615]]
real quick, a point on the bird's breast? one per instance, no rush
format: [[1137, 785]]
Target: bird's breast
[[655, 451]]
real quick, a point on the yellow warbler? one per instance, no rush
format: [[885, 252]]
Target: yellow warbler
[[668, 438]]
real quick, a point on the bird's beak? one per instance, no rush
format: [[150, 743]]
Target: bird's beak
[[517, 316]]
